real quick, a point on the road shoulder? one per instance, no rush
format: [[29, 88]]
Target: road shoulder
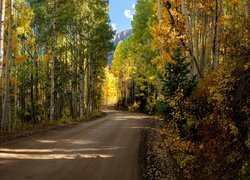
[[6, 136], [153, 157]]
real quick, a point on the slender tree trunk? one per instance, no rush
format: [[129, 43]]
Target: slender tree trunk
[[248, 10], [159, 10], [2, 16], [16, 105], [194, 63], [203, 43], [7, 73], [73, 79], [196, 38], [89, 84], [32, 113], [10, 117], [52, 93], [36, 82], [89, 87], [215, 41], [92, 85], [82, 78]]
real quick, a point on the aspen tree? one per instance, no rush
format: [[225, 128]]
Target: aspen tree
[[6, 102]]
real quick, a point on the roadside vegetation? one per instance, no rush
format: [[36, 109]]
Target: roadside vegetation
[[188, 62], [52, 60]]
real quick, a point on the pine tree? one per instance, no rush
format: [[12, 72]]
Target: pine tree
[[177, 77]]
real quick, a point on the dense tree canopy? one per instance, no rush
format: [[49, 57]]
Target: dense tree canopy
[[52, 65], [189, 62]]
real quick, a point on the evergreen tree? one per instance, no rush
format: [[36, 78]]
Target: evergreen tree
[[177, 77]]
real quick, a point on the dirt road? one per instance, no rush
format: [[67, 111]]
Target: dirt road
[[105, 149]]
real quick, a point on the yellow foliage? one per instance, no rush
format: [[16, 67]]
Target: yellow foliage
[[155, 7], [13, 81], [21, 59], [23, 18], [15, 43], [46, 58], [234, 129], [30, 42], [109, 88], [234, 2], [247, 66]]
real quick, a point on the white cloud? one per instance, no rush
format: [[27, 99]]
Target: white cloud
[[128, 13], [114, 26], [133, 6]]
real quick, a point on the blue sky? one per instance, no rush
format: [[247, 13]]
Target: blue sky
[[121, 14]]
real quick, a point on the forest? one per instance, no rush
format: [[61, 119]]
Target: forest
[[186, 62], [50, 65], [189, 63]]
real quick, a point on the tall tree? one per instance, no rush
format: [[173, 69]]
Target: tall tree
[[6, 103], [54, 43], [2, 18], [57, 67]]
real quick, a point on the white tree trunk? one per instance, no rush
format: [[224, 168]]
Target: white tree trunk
[[7, 73], [188, 26], [2, 16], [52, 93], [159, 10], [73, 79]]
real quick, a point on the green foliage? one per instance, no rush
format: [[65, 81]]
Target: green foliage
[[206, 128], [76, 35], [176, 86], [177, 78], [212, 125], [132, 62], [218, 124]]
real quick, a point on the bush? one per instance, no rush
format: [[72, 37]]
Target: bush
[[163, 108], [215, 119], [220, 107]]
